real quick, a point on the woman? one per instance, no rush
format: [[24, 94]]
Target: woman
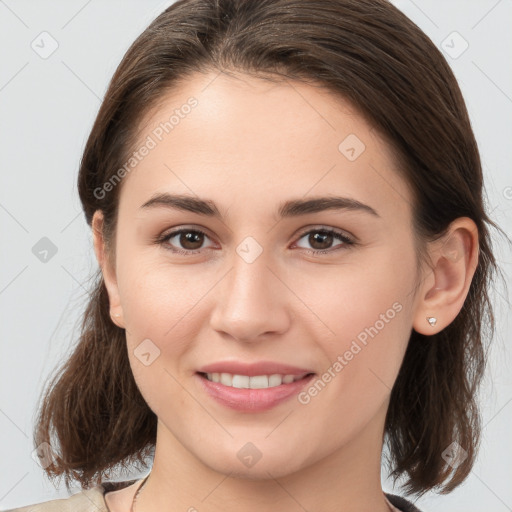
[[286, 205]]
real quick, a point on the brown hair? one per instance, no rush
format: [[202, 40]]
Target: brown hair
[[371, 54]]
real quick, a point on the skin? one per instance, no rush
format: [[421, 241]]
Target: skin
[[248, 146]]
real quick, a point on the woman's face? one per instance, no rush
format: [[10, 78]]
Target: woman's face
[[251, 289]]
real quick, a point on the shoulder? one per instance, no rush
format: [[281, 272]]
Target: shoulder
[[402, 504], [89, 500]]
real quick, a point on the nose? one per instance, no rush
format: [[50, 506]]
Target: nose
[[251, 302]]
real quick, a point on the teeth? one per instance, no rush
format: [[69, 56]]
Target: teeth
[[254, 382], [258, 382], [274, 380], [240, 381], [226, 379]]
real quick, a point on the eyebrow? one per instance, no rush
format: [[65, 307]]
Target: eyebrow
[[287, 209]]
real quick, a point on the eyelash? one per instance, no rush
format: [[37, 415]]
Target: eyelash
[[347, 242]]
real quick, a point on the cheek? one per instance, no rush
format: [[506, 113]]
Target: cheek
[[365, 325], [158, 304], [160, 307], [157, 293], [345, 300], [364, 358]]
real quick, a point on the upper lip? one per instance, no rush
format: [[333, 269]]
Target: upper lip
[[252, 369]]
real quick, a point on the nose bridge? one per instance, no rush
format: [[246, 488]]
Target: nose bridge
[[249, 303], [250, 277]]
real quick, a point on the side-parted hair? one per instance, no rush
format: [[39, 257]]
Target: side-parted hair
[[370, 54]]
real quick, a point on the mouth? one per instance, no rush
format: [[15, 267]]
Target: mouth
[[255, 393], [253, 381]]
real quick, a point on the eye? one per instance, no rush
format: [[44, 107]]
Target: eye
[[323, 238], [190, 239]]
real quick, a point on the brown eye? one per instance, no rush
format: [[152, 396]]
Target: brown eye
[[321, 240], [190, 240]]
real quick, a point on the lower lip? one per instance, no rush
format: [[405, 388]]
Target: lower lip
[[252, 400]]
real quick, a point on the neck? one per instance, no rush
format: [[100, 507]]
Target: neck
[[347, 479]]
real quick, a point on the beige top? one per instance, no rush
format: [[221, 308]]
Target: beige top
[[90, 500]]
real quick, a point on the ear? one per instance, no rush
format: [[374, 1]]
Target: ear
[[108, 271], [446, 285]]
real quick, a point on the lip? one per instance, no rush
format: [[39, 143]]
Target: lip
[[253, 369], [251, 400]]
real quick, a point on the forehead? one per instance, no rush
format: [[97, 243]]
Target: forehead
[[215, 135]]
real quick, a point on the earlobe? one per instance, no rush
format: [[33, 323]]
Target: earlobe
[[109, 274], [454, 259]]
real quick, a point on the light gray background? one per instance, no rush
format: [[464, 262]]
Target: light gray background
[[47, 109]]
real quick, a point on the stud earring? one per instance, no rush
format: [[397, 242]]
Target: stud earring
[[431, 320]]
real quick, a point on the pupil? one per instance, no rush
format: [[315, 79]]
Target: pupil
[[323, 238], [187, 239]]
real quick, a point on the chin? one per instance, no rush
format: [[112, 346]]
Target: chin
[[277, 465]]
